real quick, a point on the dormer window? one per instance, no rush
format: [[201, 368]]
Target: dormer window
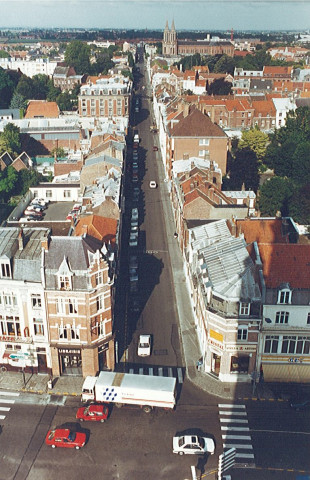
[[284, 296], [6, 270], [64, 282], [244, 308], [64, 276]]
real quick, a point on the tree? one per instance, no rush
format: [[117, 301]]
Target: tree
[[219, 87], [225, 64], [8, 182], [244, 170], [64, 101], [40, 86], [299, 205], [25, 87], [77, 55], [18, 101], [26, 179], [6, 89], [10, 140], [4, 54], [301, 164], [275, 195], [256, 140], [58, 151], [52, 92]]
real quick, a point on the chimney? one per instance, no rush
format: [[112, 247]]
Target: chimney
[[21, 240], [192, 186], [45, 242]]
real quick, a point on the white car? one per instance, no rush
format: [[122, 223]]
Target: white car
[[144, 346], [193, 445], [134, 214], [133, 239], [153, 184]]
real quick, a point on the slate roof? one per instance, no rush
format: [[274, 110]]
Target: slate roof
[[77, 252], [196, 124], [26, 263]]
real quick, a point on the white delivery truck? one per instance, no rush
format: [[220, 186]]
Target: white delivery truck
[[147, 391]]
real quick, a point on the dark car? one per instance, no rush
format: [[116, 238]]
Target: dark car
[[300, 404], [34, 218], [155, 149]]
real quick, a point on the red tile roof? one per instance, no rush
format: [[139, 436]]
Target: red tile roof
[[101, 228], [286, 263], [262, 230], [42, 108]]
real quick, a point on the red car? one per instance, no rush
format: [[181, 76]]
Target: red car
[[63, 437], [93, 413]]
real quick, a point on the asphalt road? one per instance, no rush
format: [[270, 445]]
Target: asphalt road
[[157, 314]]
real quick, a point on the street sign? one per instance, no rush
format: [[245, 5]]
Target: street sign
[[19, 356]]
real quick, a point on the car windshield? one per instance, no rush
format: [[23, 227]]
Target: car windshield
[[201, 442], [181, 441]]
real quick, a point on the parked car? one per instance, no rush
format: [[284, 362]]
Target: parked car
[[155, 149], [33, 212], [39, 201], [135, 178], [66, 438], [37, 207], [33, 218], [134, 214], [133, 287], [133, 261], [153, 184], [135, 169], [34, 208], [133, 275], [193, 445], [135, 194], [93, 413], [300, 404], [133, 239], [134, 304], [144, 346]]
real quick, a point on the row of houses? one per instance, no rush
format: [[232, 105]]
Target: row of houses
[[58, 279], [247, 276]]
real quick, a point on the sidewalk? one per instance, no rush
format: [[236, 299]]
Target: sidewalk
[[38, 383]]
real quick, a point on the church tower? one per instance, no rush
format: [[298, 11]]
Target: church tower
[[170, 40]]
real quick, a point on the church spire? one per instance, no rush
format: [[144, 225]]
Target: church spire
[[172, 26]]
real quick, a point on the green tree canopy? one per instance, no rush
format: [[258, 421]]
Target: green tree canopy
[[8, 183], [255, 140], [18, 101], [10, 140], [275, 195], [77, 55], [25, 87], [244, 170], [64, 101], [219, 87], [6, 88]]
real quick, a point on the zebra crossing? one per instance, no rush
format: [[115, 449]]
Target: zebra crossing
[[176, 372], [236, 432], [5, 401]]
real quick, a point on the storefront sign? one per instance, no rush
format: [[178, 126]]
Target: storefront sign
[[217, 336], [295, 360], [212, 342], [69, 350], [241, 348]]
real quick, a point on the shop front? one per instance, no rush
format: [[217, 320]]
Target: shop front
[[286, 369], [70, 361]]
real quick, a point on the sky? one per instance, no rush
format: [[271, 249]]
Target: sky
[[205, 15]]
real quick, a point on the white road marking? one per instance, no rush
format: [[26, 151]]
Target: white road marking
[[225, 405], [241, 414], [237, 446], [233, 420], [9, 394], [236, 429]]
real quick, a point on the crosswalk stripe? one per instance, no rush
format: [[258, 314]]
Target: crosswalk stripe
[[233, 420], [7, 400], [241, 414], [236, 437], [245, 455], [9, 394], [5, 409], [236, 429], [237, 446], [2, 417], [226, 405]]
